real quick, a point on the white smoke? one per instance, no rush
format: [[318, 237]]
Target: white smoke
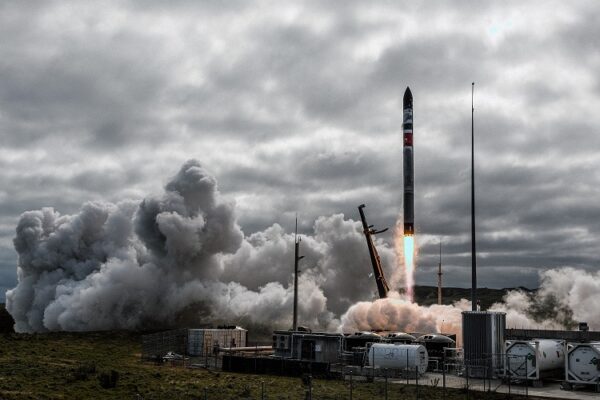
[[396, 313], [181, 258], [565, 296]]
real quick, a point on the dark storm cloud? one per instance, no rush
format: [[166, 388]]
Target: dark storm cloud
[[296, 108]]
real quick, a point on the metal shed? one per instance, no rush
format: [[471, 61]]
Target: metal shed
[[319, 347]]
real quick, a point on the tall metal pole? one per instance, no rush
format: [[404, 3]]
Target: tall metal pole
[[296, 259], [473, 256], [440, 276]]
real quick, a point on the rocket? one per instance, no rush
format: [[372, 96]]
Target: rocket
[[409, 176]]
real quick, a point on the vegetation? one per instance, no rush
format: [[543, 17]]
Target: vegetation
[[107, 366], [6, 320], [427, 295]]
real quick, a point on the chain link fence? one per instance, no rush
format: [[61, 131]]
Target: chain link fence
[[450, 374]]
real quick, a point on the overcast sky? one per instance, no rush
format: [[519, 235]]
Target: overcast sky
[[296, 107]]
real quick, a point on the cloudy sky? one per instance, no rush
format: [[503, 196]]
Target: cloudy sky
[[296, 107]]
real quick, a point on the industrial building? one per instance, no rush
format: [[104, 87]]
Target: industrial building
[[319, 347], [192, 342], [201, 341]]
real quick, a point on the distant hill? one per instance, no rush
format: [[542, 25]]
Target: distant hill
[[6, 320], [427, 295]]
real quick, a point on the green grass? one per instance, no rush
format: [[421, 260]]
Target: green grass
[[68, 366]]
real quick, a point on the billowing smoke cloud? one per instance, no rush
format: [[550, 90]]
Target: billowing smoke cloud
[[181, 258], [566, 296], [396, 313]]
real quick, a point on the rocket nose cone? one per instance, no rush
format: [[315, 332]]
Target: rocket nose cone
[[408, 99]]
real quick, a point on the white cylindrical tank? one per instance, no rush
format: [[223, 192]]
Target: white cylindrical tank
[[529, 358], [583, 362], [399, 356]]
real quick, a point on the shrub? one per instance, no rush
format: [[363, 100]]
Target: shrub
[[81, 372], [108, 380]]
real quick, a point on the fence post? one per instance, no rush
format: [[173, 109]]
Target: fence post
[[262, 390], [373, 365], [386, 384], [205, 393], [351, 387], [417, 379], [444, 374], [407, 370], [526, 378], [310, 387], [467, 376]]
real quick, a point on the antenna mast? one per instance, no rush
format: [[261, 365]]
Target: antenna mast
[[440, 276], [473, 256], [297, 258]]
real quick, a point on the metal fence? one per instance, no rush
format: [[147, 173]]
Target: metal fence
[[450, 373], [384, 384]]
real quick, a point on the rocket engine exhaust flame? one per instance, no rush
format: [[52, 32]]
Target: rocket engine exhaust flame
[[404, 247], [409, 266]]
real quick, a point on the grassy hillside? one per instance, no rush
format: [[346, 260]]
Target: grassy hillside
[[427, 295], [71, 366]]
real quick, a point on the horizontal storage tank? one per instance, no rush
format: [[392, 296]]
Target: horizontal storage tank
[[583, 363], [398, 356], [400, 337], [534, 359], [435, 344], [360, 339]]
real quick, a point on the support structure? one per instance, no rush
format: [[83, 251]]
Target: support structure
[[297, 258], [382, 286]]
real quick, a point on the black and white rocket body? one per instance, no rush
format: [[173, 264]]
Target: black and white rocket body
[[409, 176]]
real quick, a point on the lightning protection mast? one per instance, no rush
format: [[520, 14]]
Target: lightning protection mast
[[440, 276], [473, 248], [297, 258]]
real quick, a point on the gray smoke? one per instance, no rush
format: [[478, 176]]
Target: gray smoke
[[181, 258]]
